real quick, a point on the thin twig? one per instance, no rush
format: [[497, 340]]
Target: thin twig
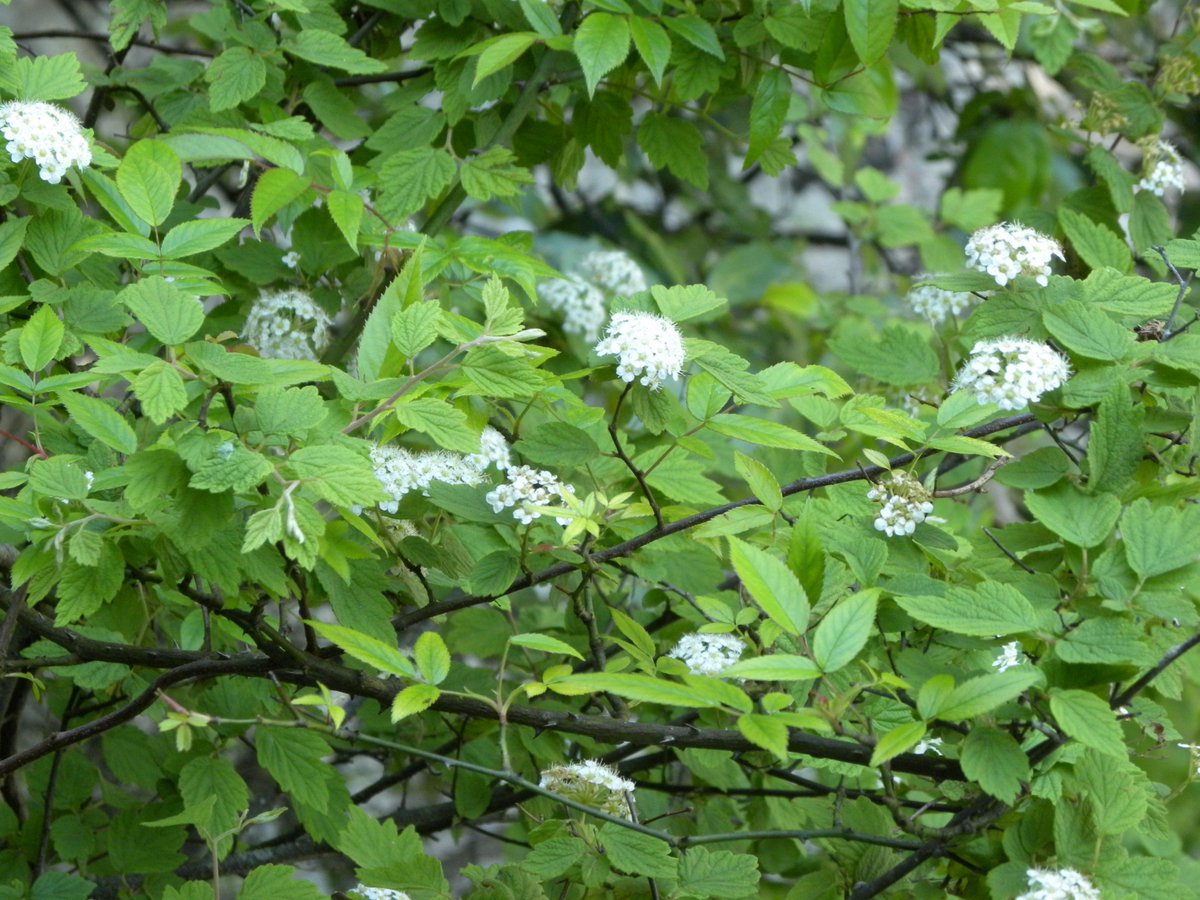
[[995, 540]]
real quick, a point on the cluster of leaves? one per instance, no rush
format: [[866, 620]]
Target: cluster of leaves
[[194, 531]]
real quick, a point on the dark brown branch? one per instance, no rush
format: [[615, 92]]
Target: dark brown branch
[[1144, 682], [101, 37]]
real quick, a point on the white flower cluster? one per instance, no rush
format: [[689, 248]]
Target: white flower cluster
[[581, 305], [291, 259], [287, 325], [614, 271], [1058, 884], [1162, 170], [1005, 251], [526, 489], [370, 893], [1012, 372], [1010, 655], [935, 303], [401, 471], [708, 654], [904, 504], [590, 782], [49, 135], [647, 347]]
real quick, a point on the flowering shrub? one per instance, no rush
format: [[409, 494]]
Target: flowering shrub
[[487, 449]]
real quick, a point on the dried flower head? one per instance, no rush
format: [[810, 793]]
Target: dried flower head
[[1012, 372], [49, 135], [904, 503], [1010, 655], [526, 489], [614, 271], [287, 325], [581, 305], [647, 347], [1058, 884], [935, 303], [1162, 169], [708, 654], [1006, 250], [592, 783]]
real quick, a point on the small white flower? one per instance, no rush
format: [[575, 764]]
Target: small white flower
[[1006, 250], [1010, 655], [647, 347], [904, 503], [287, 325], [614, 271], [401, 471], [708, 654], [581, 305], [526, 489], [493, 450], [929, 745], [1162, 169], [935, 303], [291, 259], [1058, 884], [1194, 749], [1011, 372], [370, 893], [90, 478], [590, 782], [47, 134]]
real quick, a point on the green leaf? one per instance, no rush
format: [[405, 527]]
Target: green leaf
[[415, 327], [294, 757], [61, 886], [410, 177], [1076, 517], [275, 189], [493, 174], [765, 433], [902, 356], [275, 882], [444, 423], [554, 858], [1105, 641], [806, 553], [148, 179], [235, 76], [776, 667], [844, 631], [992, 609], [1118, 800], [337, 474], [545, 643], [634, 687], [768, 110], [1078, 328], [541, 16], [214, 777], [653, 45], [1159, 539], [432, 657], [730, 370], [199, 236], [871, 25], [556, 444], [772, 585], [346, 210], [984, 693], [41, 338], [1096, 245], [636, 854], [12, 234], [231, 467], [995, 761], [676, 145], [680, 303], [122, 246], [43, 77], [719, 873], [160, 390], [414, 699], [100, 421], [762, 483], [697, 32], [1115, 442], [366, 649], [328, 49], [601, 44], [897, 741], [293, 411], [500, 52], [763, 731], [167, 313], [1089, 720]]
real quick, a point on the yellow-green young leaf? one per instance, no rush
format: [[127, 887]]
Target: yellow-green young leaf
[[653, 45], [346, 210], [415, 327], [545, 643], [41, 338], [366, 649], [235, 76], [500, 52], [101, 421], [871, 24], [897, 741], [148, 178], [772, 585], [170, 315], [776, 667], [1088, 719], [995, 761], [494, 174], [844, 631], [42, 77], [977, 696], [432, 657], [275, 189], [634, 687], [718, 689], [200, 236], [762, 483], [416, 698], [763, 731], [720, 873], [601, 44], [160, 390]]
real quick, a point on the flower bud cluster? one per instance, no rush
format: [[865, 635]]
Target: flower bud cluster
[[935, 303], [592, 783], [1012, 372], [614, 271], [287, 325], [904, 503], [1162, 170], [581, 304], [1058, 884], [647, 347], [1006, 250], [708, 654], [49, 135], [526, 489]]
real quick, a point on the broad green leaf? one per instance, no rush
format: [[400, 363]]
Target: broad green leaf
[[1118, 800], [41, 338], [556, 444], [1089, 720], [984, 693], [764, 432], [763, 731], [992, 609], [634, 687], [432, 657], [494, 173], [416, 698], [295, 759], [214, 777], [768, 111], [696, 31], [366, 649], [411, 177], [1095, 244], [1114, 641], [1159, 539], [545, 643], [680, 303], [1115, 442], [12, 233], [762, 483], [276, 882], [415, 327], [199, 236], [601, 44], [274, 190], [719, 873], [100, 421], [674, 144], [346, 210], [776, 667], [148, 178], [444, 423], [1076, 517], [231, 467], [871, 25], [167, 313], [160, 390], [541, 17], [1078, 328], [636, 854], [995, 761], [653, 45], [897, 741], [43, 77], [121, 246], [337, 474], [901, 356], [328, 49], [500, 52], [844, 631], [772, 585], [555, 857], [235, 76]]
